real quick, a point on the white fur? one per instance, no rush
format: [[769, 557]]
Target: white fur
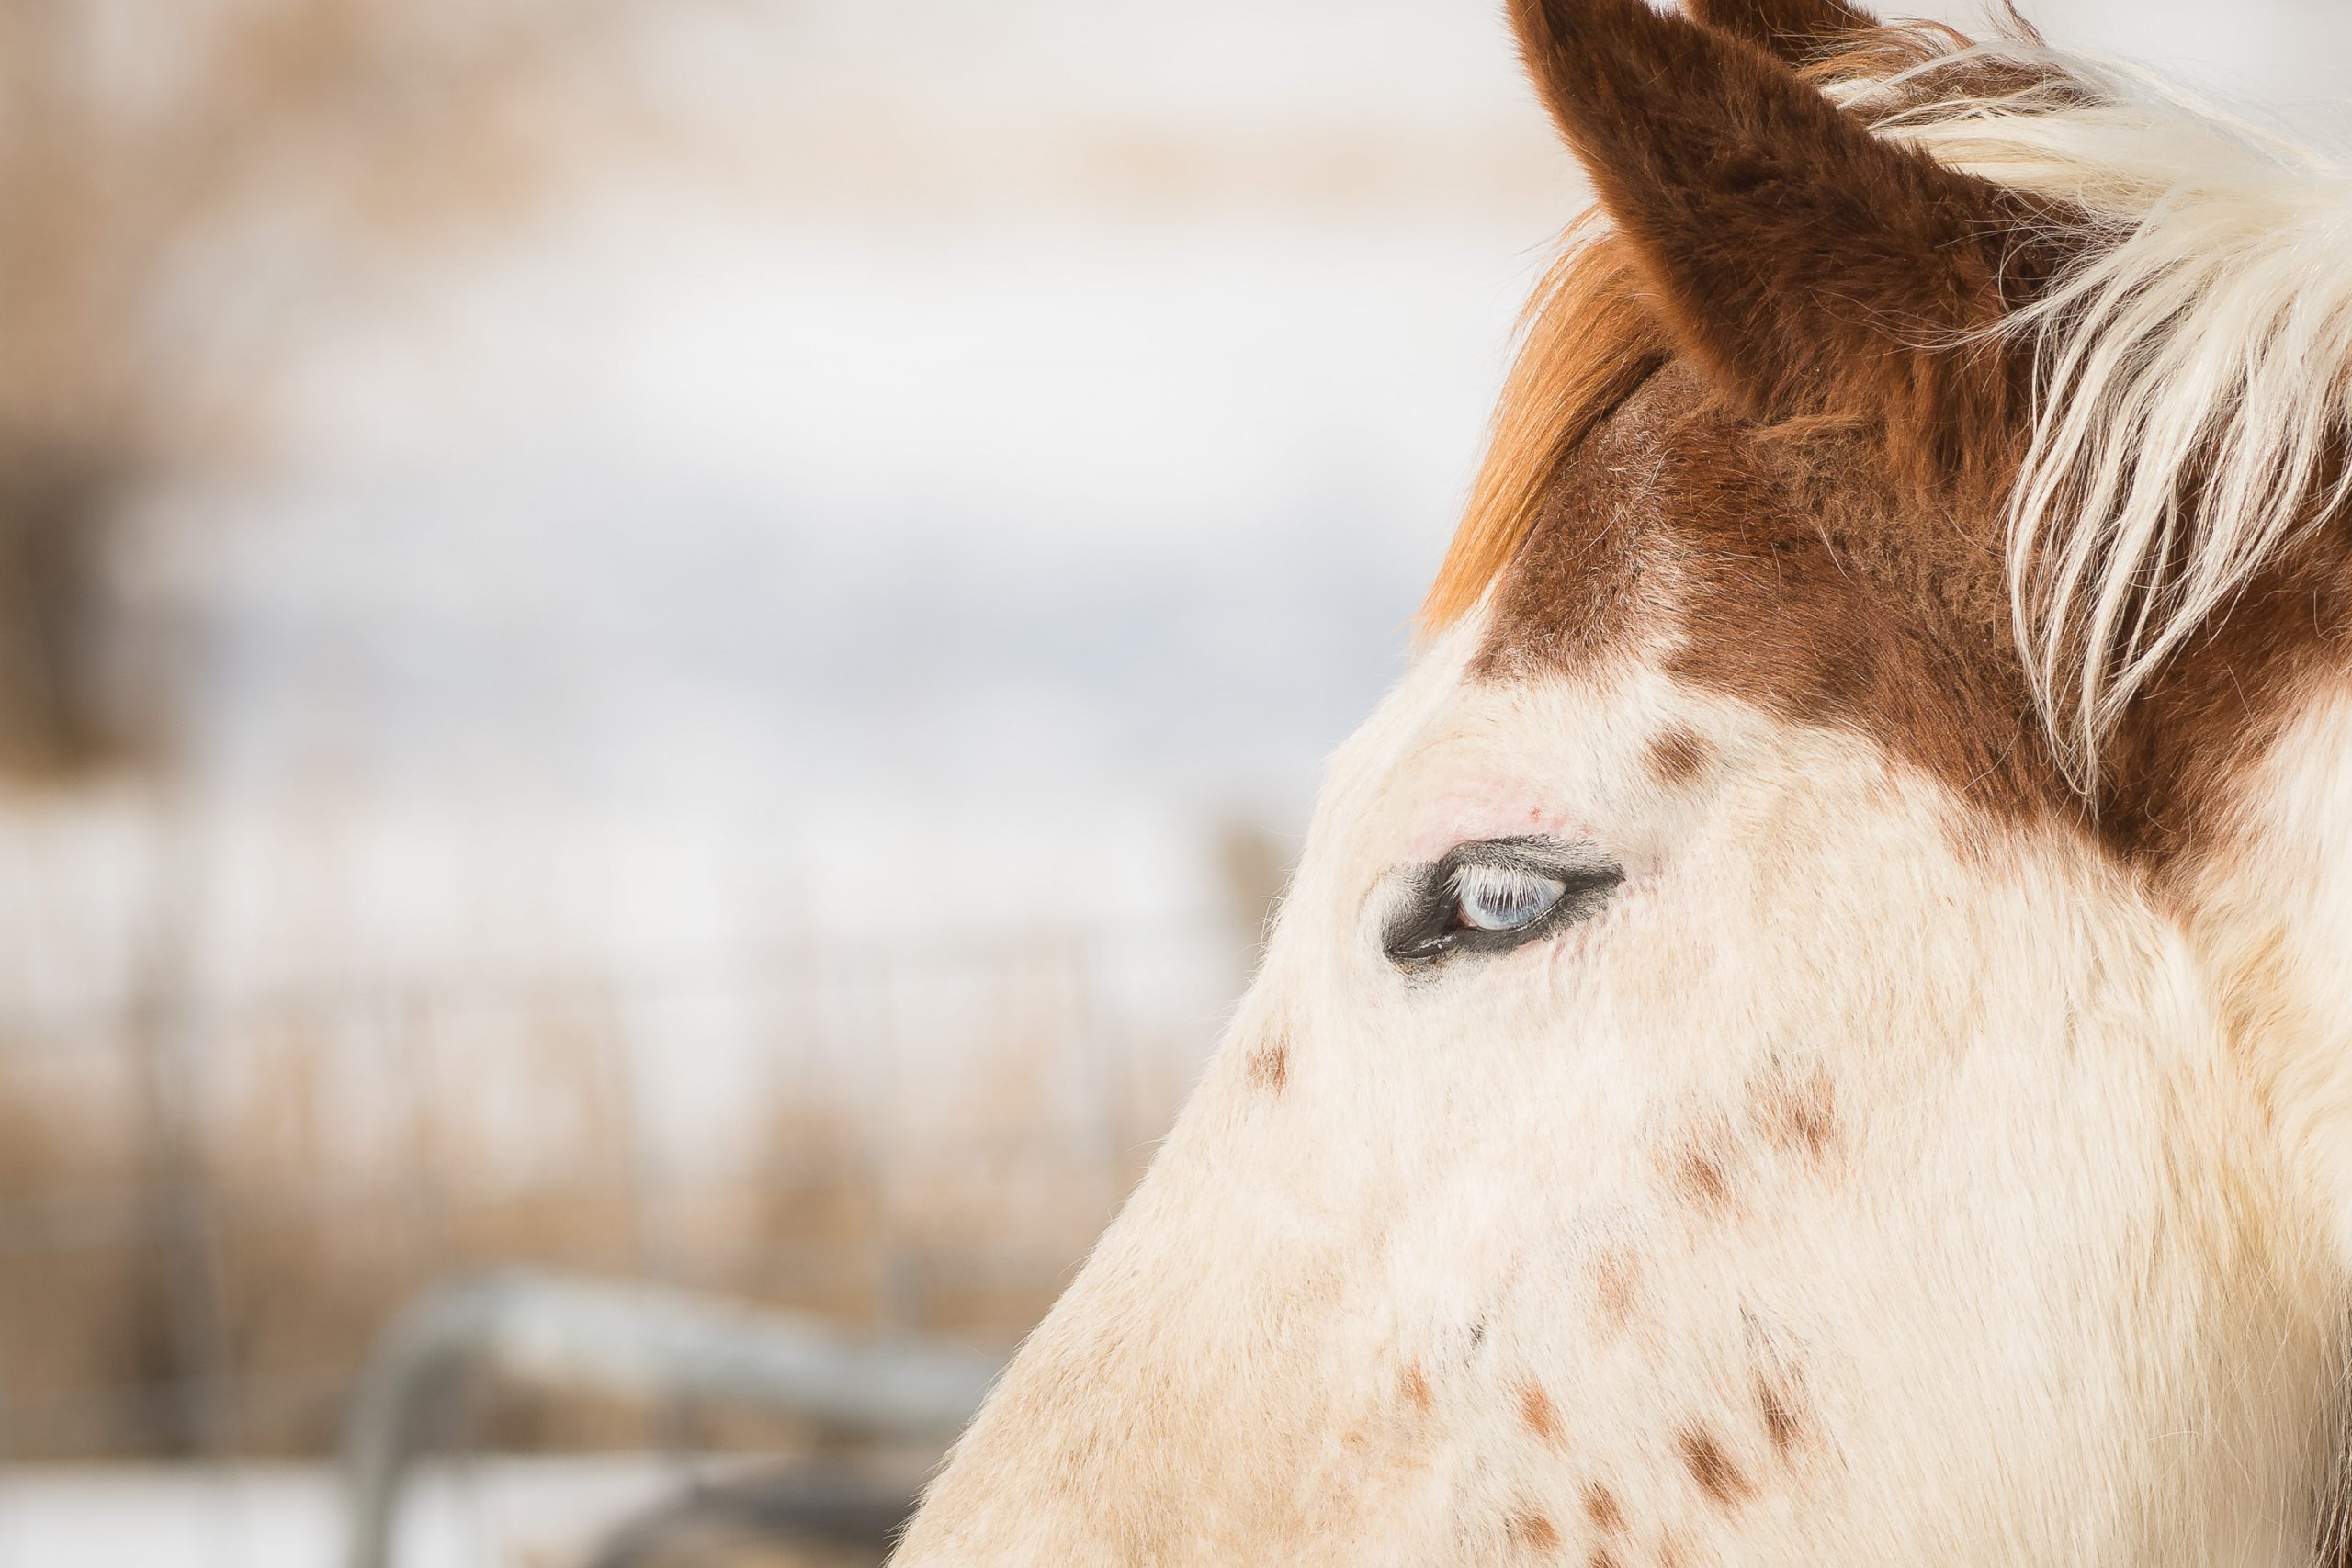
[[2209, 321], [2115, 1340], [2272, 916]]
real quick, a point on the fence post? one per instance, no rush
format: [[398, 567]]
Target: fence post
[[175, 1201]]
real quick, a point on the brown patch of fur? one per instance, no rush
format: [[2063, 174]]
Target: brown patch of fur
[[1783, 1423], [1834, 570], [1416, 1388], [1935, 53], [1702, 1177], [1586, 342], [1712, 1468], [1803, 260], [1781, 1403], [1601, 1506], [1806, 532], [1536, 1411], [1535, 1532], [2173, 770], [1269, 1066], [1799, 1116], [1828, 595], [1796, 30], [1617, 1278], [1601, 1558], [1816, 587], [1679, 756]]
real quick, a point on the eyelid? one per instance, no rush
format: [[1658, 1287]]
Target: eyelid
[[1423, 931]]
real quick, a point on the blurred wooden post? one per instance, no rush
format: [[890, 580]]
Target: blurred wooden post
[[59, 712], [187, 1353]]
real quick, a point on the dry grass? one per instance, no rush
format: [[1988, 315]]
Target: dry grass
[[224, 1304]]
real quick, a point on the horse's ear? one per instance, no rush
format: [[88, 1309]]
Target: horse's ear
[[1809, 266]]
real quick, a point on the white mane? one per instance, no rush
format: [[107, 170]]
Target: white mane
[[2194, 366]]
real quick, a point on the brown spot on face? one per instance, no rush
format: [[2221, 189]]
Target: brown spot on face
[[1535, 1532], [1699, 1177], [1799, 1115], [1416, 1387], [1616, 1278], [1679, 756], [1782, 1421], [1536, 1410], [1712, 1468], [1601, 1506], [1269, 1066]]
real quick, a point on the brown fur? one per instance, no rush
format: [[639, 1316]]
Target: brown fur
[[2223, 703], [1679, 756], [1797, 30], [1859, 561], [1269, 1066], [1699, 1177], [1811, 268], [1616, 1278], [1535, 1532], [1712, 1468], [1587, 343], [1859, 603], [1416, 1388], [1798, 1115], [1536, 1410], [1782, 1424], [1773, 534]]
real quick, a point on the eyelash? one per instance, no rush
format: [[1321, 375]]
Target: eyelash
[[1504, 883]]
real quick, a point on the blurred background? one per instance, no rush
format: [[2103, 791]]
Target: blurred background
[[683, 642]]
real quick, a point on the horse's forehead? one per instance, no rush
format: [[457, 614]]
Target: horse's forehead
[[1788, 571], [1792, 570]]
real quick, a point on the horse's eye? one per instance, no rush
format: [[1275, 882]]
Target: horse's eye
[[1503, 898], [1494, 896]]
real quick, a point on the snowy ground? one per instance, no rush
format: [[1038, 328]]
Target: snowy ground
[[503, 1513]]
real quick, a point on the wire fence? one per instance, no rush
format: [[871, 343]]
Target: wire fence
[[211, 1205]]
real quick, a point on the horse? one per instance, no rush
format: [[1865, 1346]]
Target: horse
[[1812, 1027]]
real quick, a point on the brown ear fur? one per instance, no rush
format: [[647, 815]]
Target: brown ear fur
[[1809, 267], [1796, 30]]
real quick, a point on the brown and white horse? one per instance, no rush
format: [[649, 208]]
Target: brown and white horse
[[1815, 1026]]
